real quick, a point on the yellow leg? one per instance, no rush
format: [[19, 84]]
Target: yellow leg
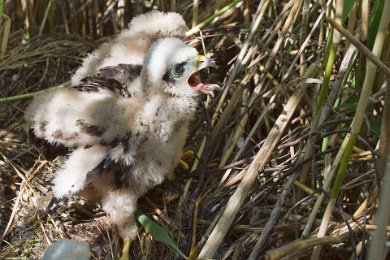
[[126, 248], [182, 164]]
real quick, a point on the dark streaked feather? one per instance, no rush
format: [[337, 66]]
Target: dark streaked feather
[[95, 83], [60, 135], [105, 79], [128, 71], [48, 150], [88, 128]]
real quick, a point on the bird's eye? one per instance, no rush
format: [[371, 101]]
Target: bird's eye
[[178, 70]]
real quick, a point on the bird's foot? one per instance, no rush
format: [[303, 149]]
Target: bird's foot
[[182, 164], [126, 248]]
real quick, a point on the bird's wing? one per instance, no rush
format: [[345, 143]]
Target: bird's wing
[[130, 71], [100, 84], [131, 45], [82, 115]]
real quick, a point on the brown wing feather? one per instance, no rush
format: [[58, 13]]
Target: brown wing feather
[[49, 151], [105, 79]]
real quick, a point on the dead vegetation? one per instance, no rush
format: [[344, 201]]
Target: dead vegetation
[[290, 159]]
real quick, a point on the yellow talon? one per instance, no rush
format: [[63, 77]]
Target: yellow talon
[[182, 164], [126, 248], [187, 155]]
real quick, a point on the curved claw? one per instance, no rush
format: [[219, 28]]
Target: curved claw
[[182, 164], [187, 155]]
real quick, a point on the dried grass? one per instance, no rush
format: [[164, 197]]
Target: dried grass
[[270, 54]]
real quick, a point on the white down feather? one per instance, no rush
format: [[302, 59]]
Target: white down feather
[[156, 118]]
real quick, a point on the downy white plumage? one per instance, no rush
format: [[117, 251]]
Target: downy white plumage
[[123, 123]]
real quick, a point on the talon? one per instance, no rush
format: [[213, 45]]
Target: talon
[[182, 164], [187, 155], [126, 248]]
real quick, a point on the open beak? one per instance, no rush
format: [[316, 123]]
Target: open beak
[[203, 62]]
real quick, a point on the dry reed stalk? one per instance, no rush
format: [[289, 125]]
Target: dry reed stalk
[[352, 20], [343, 70], [6, 32], [302, 48], [363, 49], [302, 38], [322, 95], [270, 210], [173, 5], [45, 16], [195, 13], [256, 166], [236, 69], [378, 244], [356, 125], [364, 16], [302, 245]]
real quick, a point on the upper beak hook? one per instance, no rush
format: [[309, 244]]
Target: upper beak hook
[[205, 62]]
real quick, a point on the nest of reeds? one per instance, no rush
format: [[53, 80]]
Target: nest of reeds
[[290, 154]]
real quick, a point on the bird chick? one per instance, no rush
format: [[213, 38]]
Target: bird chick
[[123, 127]]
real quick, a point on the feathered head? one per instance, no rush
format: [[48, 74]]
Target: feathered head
[[170, 64]]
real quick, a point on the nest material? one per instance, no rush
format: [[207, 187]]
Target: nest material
[[188, 207]]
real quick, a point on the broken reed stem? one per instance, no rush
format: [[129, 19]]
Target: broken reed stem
[[285, 29], [239, 128], [302, 38], [302, 245], [237, 67], [249, 137], [302, 48], [378, 244], [363, 49], [256, 92], [45, 17], [321, 98], [352, 19], [342, 74], [274, 217], [350, 139], [332, 56], [364, 16], [241, 61], [208, 20], [173, 5], [237, 199], [195, 13]]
